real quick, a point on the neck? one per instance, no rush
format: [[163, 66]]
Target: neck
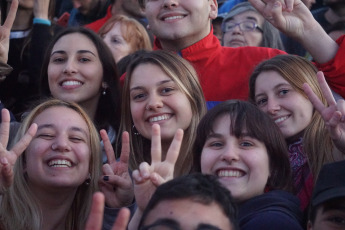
[[54, 205], [90, 107], [22, 20]]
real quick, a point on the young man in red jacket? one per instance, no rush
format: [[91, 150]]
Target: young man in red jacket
[[185, 27]]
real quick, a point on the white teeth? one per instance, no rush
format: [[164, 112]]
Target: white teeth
[[229, 173], [281, 119], [173, 18], [59, 163], [69, 83], [159, 118]]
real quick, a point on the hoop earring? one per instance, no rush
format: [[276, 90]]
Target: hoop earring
[[135, 131]]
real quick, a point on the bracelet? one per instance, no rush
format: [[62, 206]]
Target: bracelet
[[42, 21]]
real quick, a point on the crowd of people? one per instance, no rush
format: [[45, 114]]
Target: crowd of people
[[142, 114]]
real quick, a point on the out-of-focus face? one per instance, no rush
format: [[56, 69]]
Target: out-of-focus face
[[84, 6], [132, 8], [182, 21], [237, 37], [309, 3], [170, 213], [75, 72], [116, 42], [289, 109], [59, 154], [241, 164], [27, 4], [156, 99]]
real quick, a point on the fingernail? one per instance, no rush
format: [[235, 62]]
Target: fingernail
[[106, 178], [4, 160]]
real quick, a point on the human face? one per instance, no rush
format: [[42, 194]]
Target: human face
[[132, 8], [182, 22], [59, 154], [308, 3], [330, 218], [116, 42], [75, 71], [156, 99], [238, 38], [241, 164], [289, 109], [198, 215]]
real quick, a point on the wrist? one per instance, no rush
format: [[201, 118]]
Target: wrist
[[43, 21]]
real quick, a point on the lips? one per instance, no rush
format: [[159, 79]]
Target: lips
[[280, 119], [71, 84], [230, 173], [172, 16]]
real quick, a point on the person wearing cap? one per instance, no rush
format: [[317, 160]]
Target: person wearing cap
[[245, 26], [327, 210]]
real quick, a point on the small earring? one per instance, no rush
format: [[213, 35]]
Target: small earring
[[135, 131], [104, 91], [88, 180]]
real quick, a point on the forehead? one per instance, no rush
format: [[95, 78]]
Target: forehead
[[247, 15], [148, 74], [198, 213], [74, 41], [269, 79]]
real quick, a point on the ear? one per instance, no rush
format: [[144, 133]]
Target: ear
[[104, 85], [309, 225], [213, 9]]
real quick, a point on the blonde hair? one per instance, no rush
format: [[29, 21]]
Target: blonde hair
[[317, 143], [185, 77], [132, 31], [19, 208]]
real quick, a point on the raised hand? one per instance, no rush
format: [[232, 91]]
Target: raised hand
[[116, 183], [95, 219], [5, 30], [8, 158], [333, 114], [148, 177]]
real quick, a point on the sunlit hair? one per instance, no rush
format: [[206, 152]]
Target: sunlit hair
[[270, 35], [317, 143], [132, 31], [185, 77], [108, 107], [247, 119], [19, 208]]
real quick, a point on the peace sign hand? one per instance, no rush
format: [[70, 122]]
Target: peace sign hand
[[8, 158], [116, 183], [333, 115], [148, 177], [5, 30]]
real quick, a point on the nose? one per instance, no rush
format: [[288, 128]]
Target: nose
[[155, 102], [237, 29], [170, 3], [70, 67], [230, 153], [272, 106], [61, 144]]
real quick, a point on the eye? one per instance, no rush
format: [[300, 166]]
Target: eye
[[283, 92], [337, 220], [261, 101], [138, 97], [246, 143], [45, 136], [84, 59], [58, 60], [76, 139], [167, 90]]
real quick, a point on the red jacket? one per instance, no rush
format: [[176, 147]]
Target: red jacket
[[224, 71], [96, 25]]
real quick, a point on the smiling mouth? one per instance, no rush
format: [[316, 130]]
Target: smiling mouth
[[59, 163], [160, 118], [281, 119], [71, 83], [173, 18], [230, 173]]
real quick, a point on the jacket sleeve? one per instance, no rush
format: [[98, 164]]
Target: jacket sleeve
[[334, 70]]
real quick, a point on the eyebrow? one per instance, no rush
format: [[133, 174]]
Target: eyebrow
[[79, 52], [157, 84], [73, 128]]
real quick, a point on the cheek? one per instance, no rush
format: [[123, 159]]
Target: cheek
[[206, 161]]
